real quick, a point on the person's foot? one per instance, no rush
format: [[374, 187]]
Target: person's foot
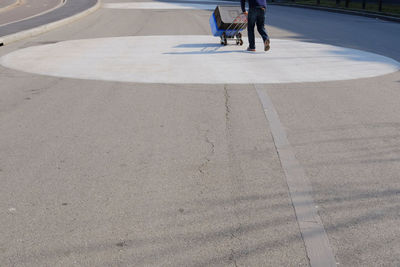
[[251, 49], [266, 45]]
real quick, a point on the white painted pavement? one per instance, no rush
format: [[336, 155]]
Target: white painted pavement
[[196, 59]]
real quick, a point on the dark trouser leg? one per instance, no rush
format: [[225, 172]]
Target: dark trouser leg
[[260, 24], [252, 17]]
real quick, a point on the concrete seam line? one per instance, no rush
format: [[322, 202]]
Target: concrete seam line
[[318, 249], [47, 27]]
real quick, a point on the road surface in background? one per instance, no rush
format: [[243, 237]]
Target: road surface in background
[[33, 18], [107, 172], [24, 9]]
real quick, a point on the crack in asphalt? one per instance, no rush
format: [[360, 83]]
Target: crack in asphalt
[[202, 168], [232, 258], [227, 108]]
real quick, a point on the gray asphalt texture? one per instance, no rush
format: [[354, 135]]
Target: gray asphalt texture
[[99, 173], [7, 3], [70, 8], [26, 9]]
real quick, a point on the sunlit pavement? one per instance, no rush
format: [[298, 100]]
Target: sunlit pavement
[[132, 138]]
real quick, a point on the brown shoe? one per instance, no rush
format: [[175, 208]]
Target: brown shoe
[[266, 45], [251, 49]]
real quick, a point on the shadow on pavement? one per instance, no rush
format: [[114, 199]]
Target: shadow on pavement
[[349, 31]]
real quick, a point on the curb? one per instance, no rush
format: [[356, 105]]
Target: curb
[[343, 11], [47, 27]]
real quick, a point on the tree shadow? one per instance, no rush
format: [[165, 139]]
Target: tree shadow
[[336, 29], [170, 245], [380, 144]]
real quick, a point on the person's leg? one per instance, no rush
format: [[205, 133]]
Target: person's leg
[[260, 21], [251, 21], [261, 28]]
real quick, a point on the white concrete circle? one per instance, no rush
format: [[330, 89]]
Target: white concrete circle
[[159, 5], [196, 59]]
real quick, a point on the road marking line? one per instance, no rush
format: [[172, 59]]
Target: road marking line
[[60, 4], [312, 230], [11, 6], [47, 27]]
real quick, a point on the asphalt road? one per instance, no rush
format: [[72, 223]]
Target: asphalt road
[[36, 13], [112, 173], [6, 4], [27, 8]]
